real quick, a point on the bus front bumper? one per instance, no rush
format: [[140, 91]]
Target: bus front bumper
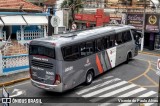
[[55, 88]]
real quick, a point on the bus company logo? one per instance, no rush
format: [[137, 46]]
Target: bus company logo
[[87, 62], [152, 19]]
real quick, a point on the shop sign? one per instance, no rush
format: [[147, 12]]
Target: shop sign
[[98, 16], [152, 21], [135, 20], [78, 17]]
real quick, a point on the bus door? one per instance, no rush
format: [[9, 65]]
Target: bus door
[[121, 49]]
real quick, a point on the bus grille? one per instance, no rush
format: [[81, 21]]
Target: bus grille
[[42, 64]]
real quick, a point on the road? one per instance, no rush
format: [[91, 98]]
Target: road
[[138, 78]]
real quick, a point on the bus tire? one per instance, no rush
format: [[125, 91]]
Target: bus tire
[[89, 77], [129, 55]]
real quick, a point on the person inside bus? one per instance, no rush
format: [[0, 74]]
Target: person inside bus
[[115, 43]]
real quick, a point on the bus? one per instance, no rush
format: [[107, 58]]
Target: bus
[[62, 62]]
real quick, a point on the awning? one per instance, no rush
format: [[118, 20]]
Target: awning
[[36, 20], [13, 20]]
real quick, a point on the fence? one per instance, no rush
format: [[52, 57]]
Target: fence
[[13, 64], [29, 35]]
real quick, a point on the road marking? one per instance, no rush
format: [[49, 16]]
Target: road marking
[[108, 77], [154, 64], [128, 94], [148, 94], [147, 70], [148, 104], [113, 93], [105, 89], [132, 92], [156, 84], [97, 86], [101, 79]]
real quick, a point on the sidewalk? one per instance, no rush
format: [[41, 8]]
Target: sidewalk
[[14, 78], [151, 52], [22, 76]]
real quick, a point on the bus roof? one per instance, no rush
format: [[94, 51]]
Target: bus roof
[[79, 36]]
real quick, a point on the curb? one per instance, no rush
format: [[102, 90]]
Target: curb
[[153, 54], [13, 82]]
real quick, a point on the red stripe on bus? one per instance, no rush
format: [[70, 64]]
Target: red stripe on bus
[[108, 59], [99, 65]]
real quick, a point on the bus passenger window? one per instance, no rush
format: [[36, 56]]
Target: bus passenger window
[[127, 36], [90, 47], [119, 39], [112, 41], [82, 50], [100, 45], [71, 53]]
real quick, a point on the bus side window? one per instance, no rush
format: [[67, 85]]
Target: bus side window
[[119, 39], [71, 53], [67, 52], [127, 36], [112, 41], [82, 50], [89, 47], [75, 52], [99, 45]]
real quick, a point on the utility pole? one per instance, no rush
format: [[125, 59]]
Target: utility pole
[[144, 16]]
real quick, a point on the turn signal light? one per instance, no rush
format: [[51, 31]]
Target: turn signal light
[[57, 79], [30, 73]]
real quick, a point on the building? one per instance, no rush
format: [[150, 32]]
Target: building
[[21, 21], [131, 12], [53, 7]]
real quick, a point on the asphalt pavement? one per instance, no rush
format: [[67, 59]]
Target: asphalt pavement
[[136, 79]]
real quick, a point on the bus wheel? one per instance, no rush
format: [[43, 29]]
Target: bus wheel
[[89, 77], [128, 57]]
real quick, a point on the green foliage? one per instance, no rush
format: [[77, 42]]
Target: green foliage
[[73, 5]]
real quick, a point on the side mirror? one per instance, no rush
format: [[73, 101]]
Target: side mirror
[[140, 34]]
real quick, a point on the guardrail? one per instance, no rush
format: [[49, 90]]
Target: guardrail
[[13, 64], [29, 35]]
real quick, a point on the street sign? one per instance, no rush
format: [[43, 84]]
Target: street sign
[[74, 26], [158, 64], [55, 20]]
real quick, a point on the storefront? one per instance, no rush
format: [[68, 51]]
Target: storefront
[[151, 34], [117, 18], [157, 42], [151, 31], [136, 20], [91, 20]]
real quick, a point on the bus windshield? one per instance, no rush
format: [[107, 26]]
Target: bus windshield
[[41, 50]]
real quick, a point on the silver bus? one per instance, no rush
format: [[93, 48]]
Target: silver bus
[[61, 62]]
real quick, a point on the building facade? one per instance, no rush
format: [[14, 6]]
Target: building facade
[[132, 12]]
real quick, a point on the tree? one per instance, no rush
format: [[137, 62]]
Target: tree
[[73, 5]]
